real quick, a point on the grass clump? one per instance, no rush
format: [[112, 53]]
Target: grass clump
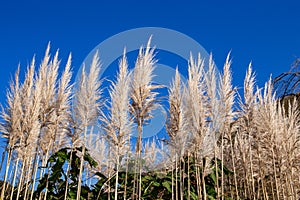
[[220, 145]]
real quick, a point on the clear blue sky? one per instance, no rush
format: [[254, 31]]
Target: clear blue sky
[[265, 32]]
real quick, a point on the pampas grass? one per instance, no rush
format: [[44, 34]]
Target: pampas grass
[[143, 98], [176, 128], [118, 124], [87, 106], [142, 94], [221, 144]]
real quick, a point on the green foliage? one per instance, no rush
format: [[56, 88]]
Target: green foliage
[[56, 180], [155, 185]]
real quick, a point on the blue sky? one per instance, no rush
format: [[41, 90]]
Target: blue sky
[[264, 32]]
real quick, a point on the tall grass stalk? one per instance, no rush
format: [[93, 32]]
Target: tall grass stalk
[[227, 95], [143, 98], [11, 123], [117, 125], [87, 105]]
